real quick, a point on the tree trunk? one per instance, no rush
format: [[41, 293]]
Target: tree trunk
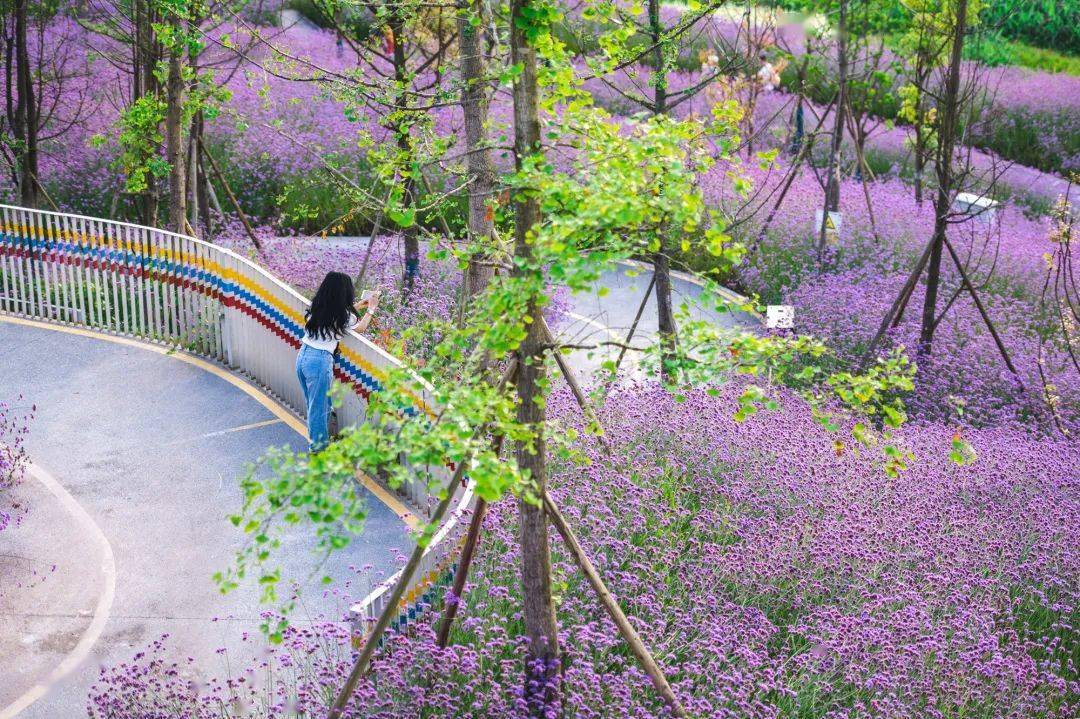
[[203, 188], [797, 141], [665, 316], [174, 138], [920, 143], [196, 194], [933, 280], [542, 673], [192, 185], [25, 120], [145, 54], [943, 162], [481, 174], [410, 234], [832, 187]]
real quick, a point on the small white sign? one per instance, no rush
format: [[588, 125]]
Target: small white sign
[[832, 225], [780, 317], [977, 206]]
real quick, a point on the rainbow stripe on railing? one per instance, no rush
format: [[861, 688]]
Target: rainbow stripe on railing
[[187, 271]]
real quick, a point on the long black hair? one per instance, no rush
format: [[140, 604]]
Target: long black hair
[[332, 307]]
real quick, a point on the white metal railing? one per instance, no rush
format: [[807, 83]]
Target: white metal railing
[[166, 288]]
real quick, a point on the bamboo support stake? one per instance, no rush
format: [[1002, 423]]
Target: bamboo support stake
[[575, 388], [633, 326], [232, 197], [892, 317], [472, 541], [363, 661], [864, 168], [376, 227], [801, 154], [982, 311], [212, 194], [461, 574], [629, 634], [360, 667]]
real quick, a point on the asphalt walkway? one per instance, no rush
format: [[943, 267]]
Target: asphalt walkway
[[136, 459]]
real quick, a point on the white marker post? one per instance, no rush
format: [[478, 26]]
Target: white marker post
[[832, 225], [780, 317], [977, 206]]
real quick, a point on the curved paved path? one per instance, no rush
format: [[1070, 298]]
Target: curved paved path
[[593, 318], [136, 456]]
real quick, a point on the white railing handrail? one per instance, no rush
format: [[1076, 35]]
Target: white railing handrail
[[464, 505], [277, 281], [82, 289]]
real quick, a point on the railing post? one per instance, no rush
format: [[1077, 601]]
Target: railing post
[[228, 312]]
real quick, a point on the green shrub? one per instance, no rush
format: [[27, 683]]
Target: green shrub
[[1038, 58], [990, 48], [994, 49], [877, 98], [1053, 24], [358, 22]]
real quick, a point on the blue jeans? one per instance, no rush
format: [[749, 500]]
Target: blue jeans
[[315, 369]]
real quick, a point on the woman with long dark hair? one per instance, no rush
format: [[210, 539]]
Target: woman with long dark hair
[[334, 311]]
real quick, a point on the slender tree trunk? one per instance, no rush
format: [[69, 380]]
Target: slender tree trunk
[[921, 79], [145, 53], [174, 137], [402, 133], [933, 281], [202, 183], [192, 185], [943, 162], [481, 174], [800, 122], [665, 315], [195, 199], [796, 143], [751, 103], [542, 674], [26, 120], [920, 151], [832, 187]]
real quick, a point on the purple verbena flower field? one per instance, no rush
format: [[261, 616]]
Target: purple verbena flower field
[[773, 564], [771, 573]]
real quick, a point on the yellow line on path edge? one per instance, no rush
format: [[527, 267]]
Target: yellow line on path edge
[[383, 495], [101, 610]]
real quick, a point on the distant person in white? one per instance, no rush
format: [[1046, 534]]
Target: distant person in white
[[768, 76], [333, 312]]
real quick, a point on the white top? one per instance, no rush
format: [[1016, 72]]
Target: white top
[[331, 344]]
